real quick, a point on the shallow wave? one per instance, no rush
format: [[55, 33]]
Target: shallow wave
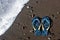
[[9, 9]]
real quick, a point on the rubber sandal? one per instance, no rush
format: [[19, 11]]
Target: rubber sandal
[[36, 26], [46, 22], [45, 25]]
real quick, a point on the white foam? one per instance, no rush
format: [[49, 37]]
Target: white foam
[[9, 9]]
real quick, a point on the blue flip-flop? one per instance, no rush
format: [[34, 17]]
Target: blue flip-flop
[[36, 26], [46, 25], [46, 22]]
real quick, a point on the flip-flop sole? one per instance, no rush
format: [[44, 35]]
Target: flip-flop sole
[[36, 22], [46, 22]]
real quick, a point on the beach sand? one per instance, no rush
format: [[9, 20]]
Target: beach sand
[[22, 27]]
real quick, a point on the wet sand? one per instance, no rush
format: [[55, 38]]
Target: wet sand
[[22, 27]]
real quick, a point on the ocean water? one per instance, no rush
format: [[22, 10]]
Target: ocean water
[[9, 9]]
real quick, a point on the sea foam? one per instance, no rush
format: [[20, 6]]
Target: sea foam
[[9, 9]]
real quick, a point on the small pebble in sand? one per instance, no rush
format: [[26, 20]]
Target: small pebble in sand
[[49, 38], [33, 15], [24, 34], [58, 13], [28, 7], [31, 31], [31, 10]]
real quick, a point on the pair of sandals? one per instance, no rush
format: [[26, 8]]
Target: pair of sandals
[[41, 26]]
